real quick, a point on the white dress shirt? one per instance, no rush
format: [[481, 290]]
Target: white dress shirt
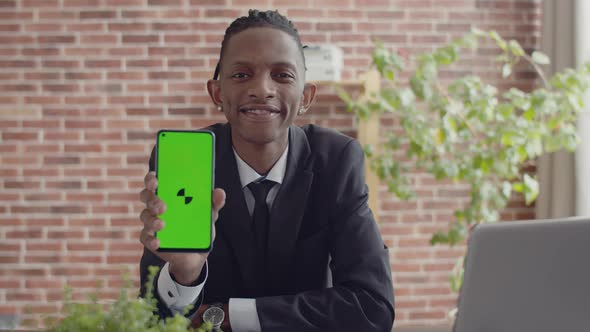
[[242, 312]]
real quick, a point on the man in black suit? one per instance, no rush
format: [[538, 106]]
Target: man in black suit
[[319, 264]]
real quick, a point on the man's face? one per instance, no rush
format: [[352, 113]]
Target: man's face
[[261, 85]]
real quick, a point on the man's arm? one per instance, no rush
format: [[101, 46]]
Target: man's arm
[[361, 298], [171, 296]]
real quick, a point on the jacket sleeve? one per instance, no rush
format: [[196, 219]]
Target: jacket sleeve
[[361, 298]]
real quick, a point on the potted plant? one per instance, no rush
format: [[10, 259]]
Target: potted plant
[[469, 131]]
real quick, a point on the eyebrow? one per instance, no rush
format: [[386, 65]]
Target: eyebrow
[[287, 64]]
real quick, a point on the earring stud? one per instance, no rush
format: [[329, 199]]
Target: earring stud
[[301, 111], [219, 108]]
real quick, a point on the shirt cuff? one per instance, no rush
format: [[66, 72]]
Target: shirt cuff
[[177, 296], [243, 316]]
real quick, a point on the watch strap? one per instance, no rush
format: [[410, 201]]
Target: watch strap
[[217, 304]]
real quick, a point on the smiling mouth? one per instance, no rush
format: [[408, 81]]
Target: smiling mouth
[[259, 110]]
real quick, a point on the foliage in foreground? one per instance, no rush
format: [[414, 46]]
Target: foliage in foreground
[[134, 314]]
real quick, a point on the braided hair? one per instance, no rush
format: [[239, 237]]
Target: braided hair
[[258, 19]]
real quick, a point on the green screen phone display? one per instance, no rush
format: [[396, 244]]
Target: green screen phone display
[[185, 171]]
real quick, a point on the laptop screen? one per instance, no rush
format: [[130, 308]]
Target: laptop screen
[[527, 276]]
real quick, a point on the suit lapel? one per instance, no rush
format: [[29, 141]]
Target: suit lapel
[[234, 221], [288, 209]]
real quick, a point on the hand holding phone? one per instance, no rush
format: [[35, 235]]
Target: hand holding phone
[[185, 266]]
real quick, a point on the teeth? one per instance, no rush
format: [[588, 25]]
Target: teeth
[[257, 111]]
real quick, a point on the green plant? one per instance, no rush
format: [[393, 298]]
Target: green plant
[[133, 314], [468, 131]]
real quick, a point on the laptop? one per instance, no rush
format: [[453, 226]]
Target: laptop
[[527, 276]]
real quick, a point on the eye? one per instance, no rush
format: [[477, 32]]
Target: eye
[[284, 75], [240, 75]]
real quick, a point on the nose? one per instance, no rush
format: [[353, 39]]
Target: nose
[[262, 87]]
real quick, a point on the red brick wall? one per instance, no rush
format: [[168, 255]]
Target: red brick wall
[[85, 84]]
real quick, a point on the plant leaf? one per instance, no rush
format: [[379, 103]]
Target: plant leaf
[[531, 189], [540, 58], [506, 70], [515, 48]]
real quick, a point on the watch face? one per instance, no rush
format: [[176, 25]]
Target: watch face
[[214, 315]]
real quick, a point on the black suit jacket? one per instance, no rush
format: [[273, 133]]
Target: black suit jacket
[[319, 219]]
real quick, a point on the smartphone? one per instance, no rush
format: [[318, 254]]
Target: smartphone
[[185, 168]]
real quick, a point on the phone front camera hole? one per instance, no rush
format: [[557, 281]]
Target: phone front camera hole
[[163, 135]]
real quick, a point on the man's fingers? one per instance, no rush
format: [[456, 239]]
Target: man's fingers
[[149, 240], [150, 221], [146, 195], [150, 181], [218, 202], [151, 224], [146, 216], [218, 198], [156, 205]]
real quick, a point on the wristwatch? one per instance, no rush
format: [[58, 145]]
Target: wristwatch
[[214, 315]]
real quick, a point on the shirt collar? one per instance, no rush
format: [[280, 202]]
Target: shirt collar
[[248, 174]]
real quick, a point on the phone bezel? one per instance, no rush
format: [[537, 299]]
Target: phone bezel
[[201, 131]]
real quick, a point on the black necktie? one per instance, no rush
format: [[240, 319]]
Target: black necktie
[[260, 219]]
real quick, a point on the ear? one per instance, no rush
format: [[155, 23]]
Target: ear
[[308, 95], [214, 89]]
